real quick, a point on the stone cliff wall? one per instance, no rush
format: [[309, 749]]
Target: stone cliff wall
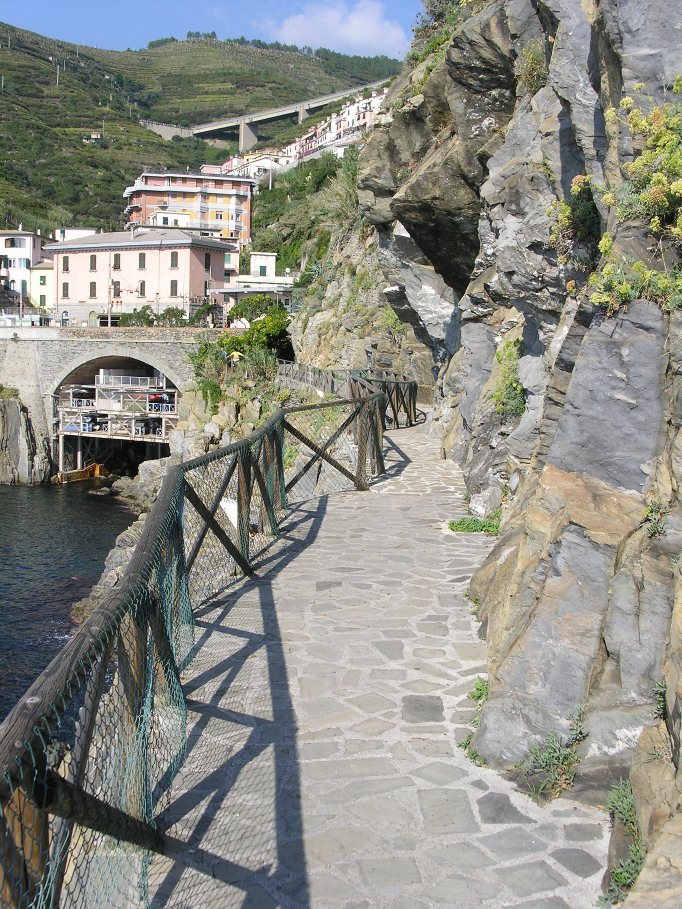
[[475, 158], [22, 459]]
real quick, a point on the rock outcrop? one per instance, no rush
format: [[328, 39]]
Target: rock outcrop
[[22, 459], [565, 418]]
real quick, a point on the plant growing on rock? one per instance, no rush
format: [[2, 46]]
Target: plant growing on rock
[[531, 67], [653, 191], [618, 284], [509, 396], [655, 518], [556, 760], [621, 804], [490, 525]]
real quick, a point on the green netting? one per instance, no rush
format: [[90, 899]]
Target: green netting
[[88, 757]]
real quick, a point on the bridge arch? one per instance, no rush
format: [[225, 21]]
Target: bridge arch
[[119, 352]]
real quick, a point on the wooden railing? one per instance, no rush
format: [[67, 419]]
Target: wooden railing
[[400, 392], [88, 754]]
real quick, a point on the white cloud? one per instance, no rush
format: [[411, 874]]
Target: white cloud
[[362, 28]]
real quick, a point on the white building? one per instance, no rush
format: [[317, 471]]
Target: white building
[[20, 250], [262, 279]]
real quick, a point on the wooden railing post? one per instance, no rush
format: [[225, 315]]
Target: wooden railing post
[[362, 430], [24, 848], [244, 501]]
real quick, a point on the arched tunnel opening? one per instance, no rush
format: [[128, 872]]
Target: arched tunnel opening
[[115, 412]]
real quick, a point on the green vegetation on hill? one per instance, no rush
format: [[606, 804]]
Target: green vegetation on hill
[[50, 176]]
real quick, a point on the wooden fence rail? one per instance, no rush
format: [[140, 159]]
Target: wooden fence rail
[[88, 754]]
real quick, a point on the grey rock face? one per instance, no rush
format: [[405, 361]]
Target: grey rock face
[[22, 460]]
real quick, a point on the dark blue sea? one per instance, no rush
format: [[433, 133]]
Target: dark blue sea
[[53, 543]]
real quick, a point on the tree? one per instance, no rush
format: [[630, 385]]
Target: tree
[[173, 317], [251, 307], [143, 317]]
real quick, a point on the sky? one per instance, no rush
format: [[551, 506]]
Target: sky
[[364, 27]]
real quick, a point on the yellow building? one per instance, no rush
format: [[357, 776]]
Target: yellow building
[[41, 289]]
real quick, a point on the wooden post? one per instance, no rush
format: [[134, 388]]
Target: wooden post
[[244, 501], [24, 848], [132, 668], [363, 438]]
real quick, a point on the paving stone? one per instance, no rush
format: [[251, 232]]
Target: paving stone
[[372, 703], [530, 877], [389, 872], [464, 892], [578, 861], [440, 772], [552, 902], [582, 833], [513, 842], [497, 808], [447, 811], [422, 708]]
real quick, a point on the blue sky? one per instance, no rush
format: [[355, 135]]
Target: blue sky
[[353, 26]]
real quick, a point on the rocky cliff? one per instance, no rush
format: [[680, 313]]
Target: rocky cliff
[[22, 460], [502, 157]]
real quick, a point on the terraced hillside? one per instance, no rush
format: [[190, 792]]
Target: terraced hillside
[[51, 176], [188, 82]]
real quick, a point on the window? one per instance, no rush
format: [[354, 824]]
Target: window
[[43, 280], [142, 261], [65, 263], [141, 287], [164, 221], [219, 216], [93, 289], [65, 289], [228, 258], [15, 243], [43, 300], [117, 262], [207, 261], [116, 288], [174, 289], [263, 271], [93, 263], [174, 259], [24, 287]]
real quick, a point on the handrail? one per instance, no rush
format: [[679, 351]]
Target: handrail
[[400, 392], [88, 753]]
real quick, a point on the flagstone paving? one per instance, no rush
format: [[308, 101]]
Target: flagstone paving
[[327, 701]]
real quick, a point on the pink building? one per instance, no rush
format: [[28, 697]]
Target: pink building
[[100, 277], [210, 202]]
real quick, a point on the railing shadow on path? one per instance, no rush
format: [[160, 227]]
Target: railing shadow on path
[[283, 870]]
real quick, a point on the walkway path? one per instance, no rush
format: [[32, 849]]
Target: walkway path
[[326, 704]]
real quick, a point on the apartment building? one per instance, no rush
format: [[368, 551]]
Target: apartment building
[[20, 250], [98, 278], [208, 202]]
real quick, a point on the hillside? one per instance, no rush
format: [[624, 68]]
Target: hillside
[[50, 176]]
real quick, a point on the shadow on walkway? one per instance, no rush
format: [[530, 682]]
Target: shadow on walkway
[[234, 824]]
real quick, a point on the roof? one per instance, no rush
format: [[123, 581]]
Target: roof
[[186, 174], [142, 239], [46, 263]]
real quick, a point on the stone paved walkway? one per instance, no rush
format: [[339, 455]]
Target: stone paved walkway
[[326, 704]]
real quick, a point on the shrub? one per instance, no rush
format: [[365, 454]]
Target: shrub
[[621, 804], [531, 67], [653, 191], [618, 284], [509, 396], [556, 759], [489, 525]]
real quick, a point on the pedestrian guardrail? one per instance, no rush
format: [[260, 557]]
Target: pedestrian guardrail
[[88, 755]]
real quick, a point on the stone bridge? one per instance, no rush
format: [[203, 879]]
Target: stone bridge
[[36, 361]]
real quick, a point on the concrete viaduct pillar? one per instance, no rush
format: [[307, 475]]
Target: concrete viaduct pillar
[[302, 113], [247, 135]]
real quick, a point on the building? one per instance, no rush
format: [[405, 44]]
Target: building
[[262, 279], [42, 286], [98, 278], [20, 250], [262, 166], [72, 233], [204, 202]]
